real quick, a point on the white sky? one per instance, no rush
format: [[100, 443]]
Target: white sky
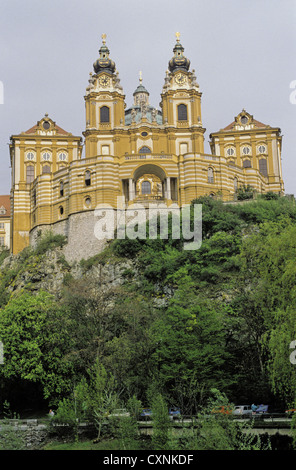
[[243, 52]]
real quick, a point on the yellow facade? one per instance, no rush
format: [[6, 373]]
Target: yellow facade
[[141, 153]]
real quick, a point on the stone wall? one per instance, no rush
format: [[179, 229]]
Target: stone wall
[[31, 434], [17, 434], [79, 230]]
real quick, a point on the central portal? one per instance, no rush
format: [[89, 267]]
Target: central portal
[[150, 183]]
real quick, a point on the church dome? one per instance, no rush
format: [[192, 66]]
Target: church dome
[[179, 61], [140, 89], [104, 63]]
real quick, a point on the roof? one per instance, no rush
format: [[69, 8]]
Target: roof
[[5, 202], [34, 129], [232, 125]]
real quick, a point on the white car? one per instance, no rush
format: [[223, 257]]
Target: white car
[[242, 410]]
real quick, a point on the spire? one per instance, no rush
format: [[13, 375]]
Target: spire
[[179, 61], [104, 63]]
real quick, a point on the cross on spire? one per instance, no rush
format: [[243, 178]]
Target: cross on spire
[[178, 37], [104, 38]]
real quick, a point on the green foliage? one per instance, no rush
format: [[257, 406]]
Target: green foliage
[[49, 241], [161, 423], [270, 195], [185, 320], [4, 253], [245, 192], [218, 431], [10, 438], [33, 344]]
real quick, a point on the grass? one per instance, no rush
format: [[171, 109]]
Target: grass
[[106, 444]]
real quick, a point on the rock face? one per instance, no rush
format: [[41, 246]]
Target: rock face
[[50, 271]]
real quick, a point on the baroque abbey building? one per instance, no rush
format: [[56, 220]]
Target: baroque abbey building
[[139, 154]]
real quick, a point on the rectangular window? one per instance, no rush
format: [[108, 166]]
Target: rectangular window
[[1, 241], [30, 174], [263, 166], [183, 148], [1, 225], [105, 150]]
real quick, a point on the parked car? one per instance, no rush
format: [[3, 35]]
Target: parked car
[[262, 409], [174, 413], [224, 410], [290, 412], [243, 410], [120, 412], [146, 413]]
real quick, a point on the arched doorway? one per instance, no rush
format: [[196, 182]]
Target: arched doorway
[[150, 182]]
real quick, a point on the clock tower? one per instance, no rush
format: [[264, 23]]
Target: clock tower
[[181, 103], [104, 105]]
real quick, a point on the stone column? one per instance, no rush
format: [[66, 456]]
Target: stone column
[[131, 189], [168, 186]]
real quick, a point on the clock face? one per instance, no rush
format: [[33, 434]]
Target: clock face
[[180, 79], [104, 80]]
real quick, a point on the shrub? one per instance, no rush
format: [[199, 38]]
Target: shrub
[[49, 241]]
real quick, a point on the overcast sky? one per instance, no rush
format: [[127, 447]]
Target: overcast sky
[[243, 52]]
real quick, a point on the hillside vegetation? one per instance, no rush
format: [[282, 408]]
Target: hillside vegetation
[[147, 315]]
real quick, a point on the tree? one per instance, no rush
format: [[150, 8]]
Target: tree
[[219, 431], [102, 398], [161, 423], [35, 344], [268, 293], [190, 347]]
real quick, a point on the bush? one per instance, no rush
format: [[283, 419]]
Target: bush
[[49, 241], [4, 253], [245, 192]]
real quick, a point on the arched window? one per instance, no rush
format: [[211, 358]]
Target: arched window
[[61, 188], [144, 150], [182, 112], [62, 156], [87, 201], [87, 178], [230, 151], [262, 148], [104, 114], [146, 187], [247, 164], [263, 166], [210, 175], [46, 169], [30, 174], [246, 150], [30, 156], [46, 156]]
